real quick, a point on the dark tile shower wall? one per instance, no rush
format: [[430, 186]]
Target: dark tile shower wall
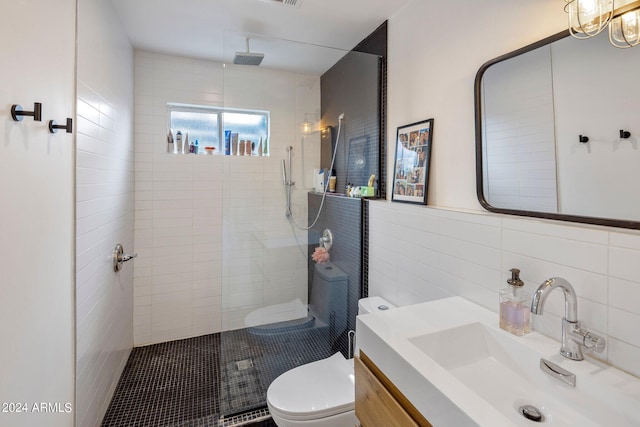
[[376, 43], [352, 87], [356, 86], [343, 216]]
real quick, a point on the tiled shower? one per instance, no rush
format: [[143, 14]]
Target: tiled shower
[[214, 244]]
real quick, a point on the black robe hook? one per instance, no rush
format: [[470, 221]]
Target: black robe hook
[[53, 127], [17, 112]]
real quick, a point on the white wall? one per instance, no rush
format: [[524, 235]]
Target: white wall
[[36, 218], [210, 231], [421, 253], [104, 207]]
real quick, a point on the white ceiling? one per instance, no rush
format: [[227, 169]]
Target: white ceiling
[[308, 37]]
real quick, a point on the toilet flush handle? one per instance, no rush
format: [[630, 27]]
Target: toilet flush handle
[[119, 257]]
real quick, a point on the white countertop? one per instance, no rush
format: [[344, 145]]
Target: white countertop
[[444, 400]]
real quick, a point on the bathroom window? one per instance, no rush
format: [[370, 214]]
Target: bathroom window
[[222, 131]]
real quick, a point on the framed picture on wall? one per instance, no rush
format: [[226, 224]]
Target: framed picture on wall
[[411, 166]]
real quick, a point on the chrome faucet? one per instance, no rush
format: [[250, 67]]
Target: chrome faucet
[[574, 338]]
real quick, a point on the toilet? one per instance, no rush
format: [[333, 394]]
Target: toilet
[[319, 394]]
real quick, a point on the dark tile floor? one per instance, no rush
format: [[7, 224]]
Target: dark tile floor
[[216, 380]]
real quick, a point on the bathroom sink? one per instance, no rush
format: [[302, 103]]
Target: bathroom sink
[[453, 350], [506, 374]]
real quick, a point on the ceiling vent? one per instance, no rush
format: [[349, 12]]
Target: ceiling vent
[[289, 3]]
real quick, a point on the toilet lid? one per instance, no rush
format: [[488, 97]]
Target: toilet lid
[[315, 390]]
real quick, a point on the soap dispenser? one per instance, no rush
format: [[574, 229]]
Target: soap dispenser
[[515, 312]]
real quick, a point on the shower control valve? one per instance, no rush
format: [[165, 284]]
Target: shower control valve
[[119, 257]]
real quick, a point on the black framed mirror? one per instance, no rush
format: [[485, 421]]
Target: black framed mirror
[[556, 135]]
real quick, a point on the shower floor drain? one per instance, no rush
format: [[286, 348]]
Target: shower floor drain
[[245, 419], [243, 365]]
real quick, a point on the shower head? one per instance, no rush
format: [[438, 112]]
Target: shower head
[[248, 58], [341, 116]]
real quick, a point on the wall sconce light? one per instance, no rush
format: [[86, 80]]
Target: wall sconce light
[[588, 18]]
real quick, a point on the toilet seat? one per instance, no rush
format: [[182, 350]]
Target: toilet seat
[[314, 391]]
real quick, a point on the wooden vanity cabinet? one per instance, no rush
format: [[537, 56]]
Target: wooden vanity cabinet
[[378, 400]]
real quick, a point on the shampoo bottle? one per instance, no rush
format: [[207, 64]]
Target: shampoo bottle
[[515, 303], [170, 148]]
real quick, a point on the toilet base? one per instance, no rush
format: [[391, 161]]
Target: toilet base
[[345, 419]]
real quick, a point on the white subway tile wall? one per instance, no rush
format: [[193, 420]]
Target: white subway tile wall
[[104, 208], [211, 233], [419, 254]]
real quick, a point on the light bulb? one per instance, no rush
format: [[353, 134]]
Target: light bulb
[[624, 31], [588, 17]]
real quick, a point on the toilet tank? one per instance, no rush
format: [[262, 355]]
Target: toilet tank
[[371, 304], [329, 299]]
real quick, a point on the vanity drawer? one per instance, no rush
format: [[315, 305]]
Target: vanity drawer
[[379, 402]]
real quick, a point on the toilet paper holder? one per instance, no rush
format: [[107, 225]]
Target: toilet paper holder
[[119, 257]]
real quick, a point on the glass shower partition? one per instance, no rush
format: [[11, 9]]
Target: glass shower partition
[[266, 325]]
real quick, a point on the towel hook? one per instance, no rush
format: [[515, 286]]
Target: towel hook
[[17, 112], [583, 139], [624, 134], [53, 127]]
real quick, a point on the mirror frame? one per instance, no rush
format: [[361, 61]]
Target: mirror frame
[[620, 223]]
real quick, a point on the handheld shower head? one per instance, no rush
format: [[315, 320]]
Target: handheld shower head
[[341, 116]]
